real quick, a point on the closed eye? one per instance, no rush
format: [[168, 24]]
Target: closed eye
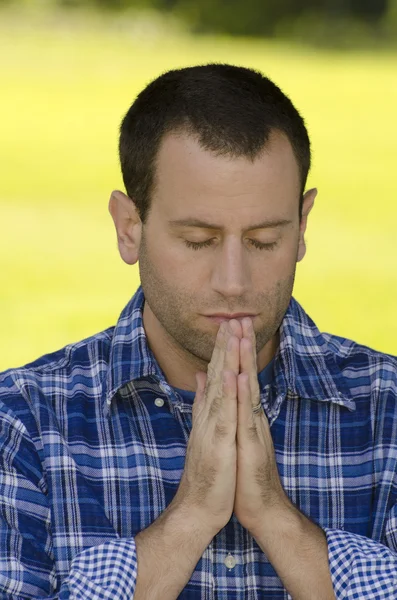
[[255, 243]]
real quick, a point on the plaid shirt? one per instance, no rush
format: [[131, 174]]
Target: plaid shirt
[[88, 459]]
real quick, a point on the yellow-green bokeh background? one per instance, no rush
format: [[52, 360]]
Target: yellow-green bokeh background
[[64, 90]]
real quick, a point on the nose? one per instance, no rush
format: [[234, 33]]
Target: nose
[[230, 273]]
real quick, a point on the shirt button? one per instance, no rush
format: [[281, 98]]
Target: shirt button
[[230, 561], [159, 402]]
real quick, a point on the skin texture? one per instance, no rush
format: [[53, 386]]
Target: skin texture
[[182, 284], [230, 464]]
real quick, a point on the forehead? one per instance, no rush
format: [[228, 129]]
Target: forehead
[[192, 181]]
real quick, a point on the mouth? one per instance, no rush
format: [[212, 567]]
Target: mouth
[[224, 317]]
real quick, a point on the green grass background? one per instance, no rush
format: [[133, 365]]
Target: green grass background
[[64, 90]]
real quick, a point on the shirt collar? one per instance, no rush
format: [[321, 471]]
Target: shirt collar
[[303, 363], [130, 356]]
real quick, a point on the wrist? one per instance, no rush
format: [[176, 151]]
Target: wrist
[[285, 525], [274, 516], [167, 553], [191, 521], [297, 548]]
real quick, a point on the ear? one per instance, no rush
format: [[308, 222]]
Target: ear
[[128, 226], [308, 201]]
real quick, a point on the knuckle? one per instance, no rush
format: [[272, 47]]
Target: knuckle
[[215, 406], [206, 479], [211, 389], [252, 432], [221, 431], [195, 485]]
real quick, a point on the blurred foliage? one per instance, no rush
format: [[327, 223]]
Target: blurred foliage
[[264, 18], [331, 23]]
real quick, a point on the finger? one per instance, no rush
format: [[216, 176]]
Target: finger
[[225, 354], [227, 415], [248, 330], [201, 380], [249, 362], [226, 357], [198, 403], [232, 355], [248, 365], [236, 328], [215, 365], [246, 423], [221, 358]]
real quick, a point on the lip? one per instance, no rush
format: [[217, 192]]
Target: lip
[[218, 318]]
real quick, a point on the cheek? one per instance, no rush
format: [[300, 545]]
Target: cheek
[[174, 261], [287, 259], [269, 276], [275, 265], [287, 255]]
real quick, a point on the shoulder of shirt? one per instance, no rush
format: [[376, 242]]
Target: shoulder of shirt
[[76, 358], [330, 367], [358, 362], [349, 350]]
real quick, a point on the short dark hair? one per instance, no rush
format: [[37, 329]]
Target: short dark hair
[[232, 110]]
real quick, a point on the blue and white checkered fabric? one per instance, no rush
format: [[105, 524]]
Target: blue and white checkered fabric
[[88, 460]]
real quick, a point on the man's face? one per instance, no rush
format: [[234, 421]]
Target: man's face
[[248, 262]]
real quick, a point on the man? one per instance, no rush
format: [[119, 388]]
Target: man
[[214, 444]]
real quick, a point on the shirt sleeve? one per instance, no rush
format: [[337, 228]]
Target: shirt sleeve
[[362, 568], [103, 572], [28, 567]]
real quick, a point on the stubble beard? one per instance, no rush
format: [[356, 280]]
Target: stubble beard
[[173, 309]]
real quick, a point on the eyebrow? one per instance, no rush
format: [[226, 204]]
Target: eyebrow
[[205, 225]]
